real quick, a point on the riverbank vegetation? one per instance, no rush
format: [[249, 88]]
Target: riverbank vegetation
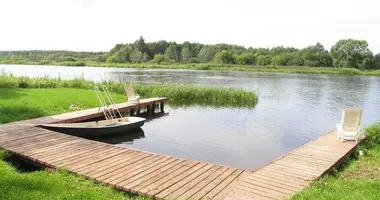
[[347, 53], [178, 94], [359, 179]]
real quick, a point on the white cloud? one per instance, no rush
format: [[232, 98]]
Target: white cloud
[[95, 25]]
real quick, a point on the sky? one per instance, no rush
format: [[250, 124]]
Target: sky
[[97, 25]]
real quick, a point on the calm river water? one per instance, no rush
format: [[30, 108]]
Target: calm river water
[[292, 110]]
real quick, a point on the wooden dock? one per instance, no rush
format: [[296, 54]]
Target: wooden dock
[[163, 176]]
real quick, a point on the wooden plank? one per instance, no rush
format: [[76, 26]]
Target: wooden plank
[[168, 181], [114, 171], [223, 184], [317, 153], [303, 163], [255, 179], [293, 170], [178, 193], [227, 190], [43, 149], [120, 159], [196, 193], [167, 175], [65, 155], [268, 185], [309, 159], [163, 194], [242, 194], [137, 171], [288, 173], [19, 138], [65, 152], [77, 154], [27, 143], [108, 169], [299, 166], [171, 166], [257, 193], [122, 172], [260, 190], [290, 185], [95, 157], [279, 175]]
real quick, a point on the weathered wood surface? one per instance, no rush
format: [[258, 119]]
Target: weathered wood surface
[[167, 177], [293, 172]]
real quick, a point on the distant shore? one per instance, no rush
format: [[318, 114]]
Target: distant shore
[[216, 67]]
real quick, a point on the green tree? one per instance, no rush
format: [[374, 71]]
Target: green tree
[[278, 60], [161, 59], [224, 57], [112, 59], [315, 56], [206, 54], [351, 53], [376, 62], [170, 52], [186, 54], [264, 60], [141, 45], [137, 56], [245, 59]]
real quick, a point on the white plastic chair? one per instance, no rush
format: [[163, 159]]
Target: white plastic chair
[[131, 95], [349, 127]]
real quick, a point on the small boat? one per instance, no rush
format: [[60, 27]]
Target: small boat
[[97, 128], [114, 122]]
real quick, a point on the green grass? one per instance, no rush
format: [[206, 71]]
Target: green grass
[[19, 104], [360, 178], [178, 94], [216, 67], [51, 185]]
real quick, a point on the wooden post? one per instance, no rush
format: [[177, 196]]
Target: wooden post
[[154, 108], [162, 106], [132, 112], [148, 109], [138, 111]]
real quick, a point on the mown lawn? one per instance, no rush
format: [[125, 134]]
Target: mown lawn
[[19, 104], [359, 179]]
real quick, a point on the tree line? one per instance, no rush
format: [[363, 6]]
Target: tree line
[[344, 53]]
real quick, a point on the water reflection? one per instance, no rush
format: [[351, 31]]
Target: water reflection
[[123, 138]]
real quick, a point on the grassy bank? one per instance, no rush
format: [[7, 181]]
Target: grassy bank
[[178, 94], [19, 104], [38, 185], [359, 179], [218, 67]]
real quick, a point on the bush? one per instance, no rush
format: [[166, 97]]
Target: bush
[[264, 60], [161, 59], [245, 59], [224, 57]]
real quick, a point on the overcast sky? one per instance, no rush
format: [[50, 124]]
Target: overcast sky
[[97, 25]]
